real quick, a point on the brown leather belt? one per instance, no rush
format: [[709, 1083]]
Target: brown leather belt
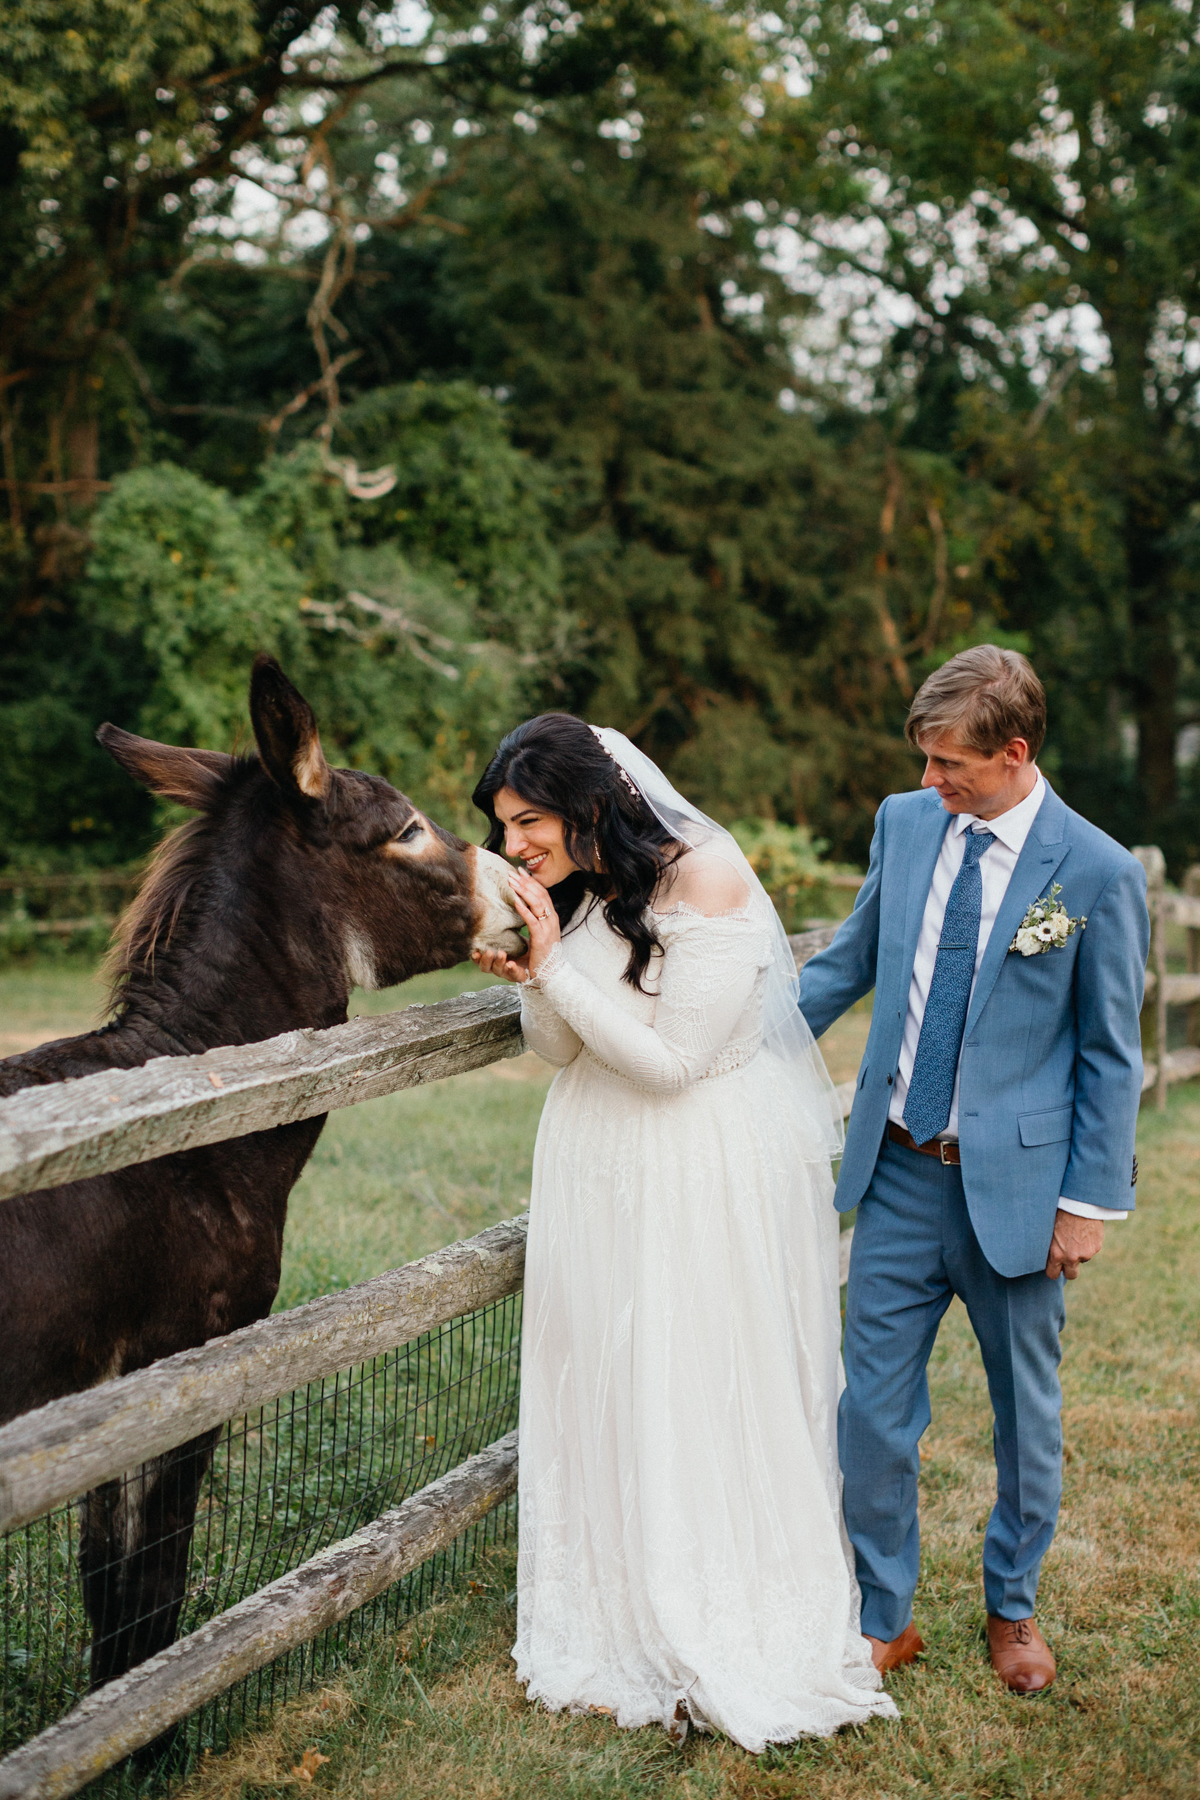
[[946, 1152]]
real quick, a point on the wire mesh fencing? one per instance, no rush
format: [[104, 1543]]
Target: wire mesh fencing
[[277, 1486]]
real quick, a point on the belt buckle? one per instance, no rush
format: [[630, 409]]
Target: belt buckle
[[945, 1144]]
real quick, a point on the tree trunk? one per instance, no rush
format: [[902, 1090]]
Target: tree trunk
[[1153, 669], [1155, 494]]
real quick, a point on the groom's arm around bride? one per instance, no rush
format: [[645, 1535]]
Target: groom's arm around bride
[[992, 1131]]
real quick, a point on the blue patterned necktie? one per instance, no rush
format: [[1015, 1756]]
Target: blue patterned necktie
[[931, 1090]]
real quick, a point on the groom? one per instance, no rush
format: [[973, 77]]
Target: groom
[[992, 1132]]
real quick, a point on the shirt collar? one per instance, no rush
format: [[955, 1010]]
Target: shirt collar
[[1011, 827]]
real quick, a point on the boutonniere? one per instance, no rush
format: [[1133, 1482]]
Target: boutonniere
[[1046, 926]]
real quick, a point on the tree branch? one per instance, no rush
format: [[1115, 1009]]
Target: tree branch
[[162, 407], [883, 560]]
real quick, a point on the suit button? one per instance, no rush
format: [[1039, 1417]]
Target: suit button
[[889, 1081]]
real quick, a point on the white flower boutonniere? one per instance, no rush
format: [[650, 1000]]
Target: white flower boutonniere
[[1046, 926]]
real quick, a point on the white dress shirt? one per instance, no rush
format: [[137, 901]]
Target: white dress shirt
[[996, 865]]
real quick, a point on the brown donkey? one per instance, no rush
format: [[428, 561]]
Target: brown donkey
[[296, 882]]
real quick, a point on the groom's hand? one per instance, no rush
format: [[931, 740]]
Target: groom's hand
[[1075, 1241]]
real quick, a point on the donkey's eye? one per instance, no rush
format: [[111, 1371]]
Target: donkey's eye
[[410, 832]]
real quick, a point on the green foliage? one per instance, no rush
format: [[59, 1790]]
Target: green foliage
[[545, 249], [418, 630], [177, 577], [466, 503], [1020, 161], [715, 546], [114, 119], [44, 746], [788, 861]]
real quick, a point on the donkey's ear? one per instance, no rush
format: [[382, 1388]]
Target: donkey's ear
[[286, 731], [193, 777]]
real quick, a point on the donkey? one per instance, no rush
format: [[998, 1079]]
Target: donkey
[[295, 882]]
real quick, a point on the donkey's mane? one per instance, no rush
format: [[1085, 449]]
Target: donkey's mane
[[151, 919], [172, 870]]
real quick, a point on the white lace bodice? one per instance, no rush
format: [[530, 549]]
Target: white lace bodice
[[701, 1017]]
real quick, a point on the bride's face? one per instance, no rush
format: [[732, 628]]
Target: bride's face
[[534, 837]]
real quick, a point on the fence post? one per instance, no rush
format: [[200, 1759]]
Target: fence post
[[1191, 886], [1155, 865]]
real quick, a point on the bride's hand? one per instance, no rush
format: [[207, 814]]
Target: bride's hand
[[497, 962], [537, 910]]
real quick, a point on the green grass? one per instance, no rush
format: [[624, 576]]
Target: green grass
[[47, 998], [393, 1179], [435, 1714]]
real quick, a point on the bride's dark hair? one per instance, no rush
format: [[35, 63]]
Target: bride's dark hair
[[557, 763]]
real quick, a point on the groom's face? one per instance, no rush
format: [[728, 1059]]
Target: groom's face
[[971, 781]]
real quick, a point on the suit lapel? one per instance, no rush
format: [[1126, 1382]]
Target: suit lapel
[[928, 835], [1043, 851]]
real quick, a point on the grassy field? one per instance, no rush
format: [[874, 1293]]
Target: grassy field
[[436, 1715]]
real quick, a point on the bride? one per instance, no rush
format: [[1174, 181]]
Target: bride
[[682, 1555]]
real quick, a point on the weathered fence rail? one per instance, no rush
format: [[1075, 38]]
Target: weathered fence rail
[[124, 880], [133, 1710], [63, 1449], [99, 1123], [1164, 1066], [50, 1456], [33, 905]]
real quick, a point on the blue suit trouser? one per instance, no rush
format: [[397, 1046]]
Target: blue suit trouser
[[914, 1249]]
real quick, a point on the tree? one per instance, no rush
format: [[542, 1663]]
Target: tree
[[418, 631], [609, 278], [546, 271], [123, 131], [579, 192], [1018, 161]]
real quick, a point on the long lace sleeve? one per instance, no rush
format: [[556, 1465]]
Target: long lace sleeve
[[705, 979], [544, 1031]]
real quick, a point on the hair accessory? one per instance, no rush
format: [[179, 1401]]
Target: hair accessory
[[623, 773]]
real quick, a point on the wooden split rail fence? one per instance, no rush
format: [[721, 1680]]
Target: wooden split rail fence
[[62, 906], [110, 1120], [107, 1121], [1180, 909], [113, 1119]]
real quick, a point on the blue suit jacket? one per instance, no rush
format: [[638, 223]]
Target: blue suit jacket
[[1051, 1069]]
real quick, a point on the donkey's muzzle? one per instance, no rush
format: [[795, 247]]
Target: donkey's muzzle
[[497, 921]]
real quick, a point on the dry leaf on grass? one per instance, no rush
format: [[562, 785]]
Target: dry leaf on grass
[[309, 1763]]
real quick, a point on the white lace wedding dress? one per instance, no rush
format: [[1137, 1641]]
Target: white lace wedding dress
[[680, 1515]]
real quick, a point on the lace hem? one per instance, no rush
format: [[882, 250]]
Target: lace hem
[[555, 961]]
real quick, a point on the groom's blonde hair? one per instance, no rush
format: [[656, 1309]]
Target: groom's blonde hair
[[983, 696]]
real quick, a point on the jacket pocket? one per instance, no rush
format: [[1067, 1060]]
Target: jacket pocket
[[862, 1073], [1046, 1127]]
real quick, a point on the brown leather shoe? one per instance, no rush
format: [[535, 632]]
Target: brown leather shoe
[[903, 1649], [1020, 1655]]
